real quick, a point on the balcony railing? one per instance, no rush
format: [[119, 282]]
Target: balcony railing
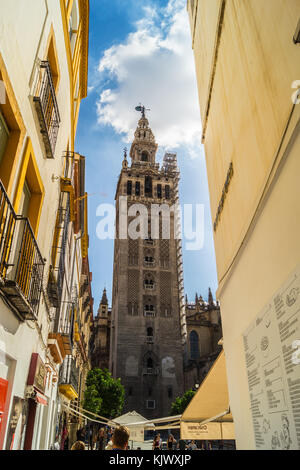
[[64, 328], [47, 109], [56, 275], [149, 313], [21, 263], [69, 378]]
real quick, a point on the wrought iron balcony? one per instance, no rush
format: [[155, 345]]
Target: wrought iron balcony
[[21, 263], [47, 109], [56, 274], [69, 378], [62, 330]]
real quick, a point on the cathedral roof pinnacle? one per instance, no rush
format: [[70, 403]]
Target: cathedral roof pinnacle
[[104, 300]]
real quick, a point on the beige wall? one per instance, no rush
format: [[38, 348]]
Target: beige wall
[[250, 103], [250, 111]]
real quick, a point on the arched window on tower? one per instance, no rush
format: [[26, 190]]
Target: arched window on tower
[[149, 363], [144, 157], [194, 345], [129, 188], [148, 186], [137, 188], [149, 335]]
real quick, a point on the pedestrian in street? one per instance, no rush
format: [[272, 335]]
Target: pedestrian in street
[[171, 442], [80, 434], [157, 442], [192, 446], [109, 445], [181, 444], [102, 439], [64, 445], [120, 438], [78, 445]]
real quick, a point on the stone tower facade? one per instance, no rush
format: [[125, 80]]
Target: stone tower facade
[[100, 339], [146, 336]]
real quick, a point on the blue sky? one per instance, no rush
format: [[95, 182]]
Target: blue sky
[[141, 52]]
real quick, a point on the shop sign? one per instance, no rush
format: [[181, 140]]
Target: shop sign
[[37, 373]]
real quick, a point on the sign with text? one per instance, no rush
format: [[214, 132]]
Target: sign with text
[[37, 373], [273, 369], [208, 431]]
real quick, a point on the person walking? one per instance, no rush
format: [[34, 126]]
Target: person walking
[[80, 434], [78, 445], [120, 438], [192, 446], [171, 442], [156, 442], [102, 439]]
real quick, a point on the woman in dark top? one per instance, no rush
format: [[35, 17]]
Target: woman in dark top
[[170, 442], [156, 442]]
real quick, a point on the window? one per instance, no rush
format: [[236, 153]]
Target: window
[[148, 186], [137, 188], [149, 335], [149, 284], [159, 192], [4, 136], [167, 191], [30, 188], [149, 331], [73, 25], [170, 392], [144, 157], [149, 392], [150, 404], [130, 392], [149, 311], [194, 345], [45, 97], [149, 363], [129, 188], [11, 143]]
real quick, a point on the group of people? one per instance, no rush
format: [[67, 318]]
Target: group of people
[[172, 444], [118, 440], [107, 438]]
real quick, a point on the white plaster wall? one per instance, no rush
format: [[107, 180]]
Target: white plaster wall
[[24, 33], [269, 257]]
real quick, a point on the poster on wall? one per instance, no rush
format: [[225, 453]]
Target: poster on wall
[[16, 424], [272, 352]]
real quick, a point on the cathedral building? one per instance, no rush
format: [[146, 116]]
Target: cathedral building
[[204, 332], [148, 321], [100, 338]]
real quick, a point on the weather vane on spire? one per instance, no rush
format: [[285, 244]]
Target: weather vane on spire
[[141, 108]]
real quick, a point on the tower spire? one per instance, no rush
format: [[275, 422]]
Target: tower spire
[[104, 300], [144, 147], [210, 297]]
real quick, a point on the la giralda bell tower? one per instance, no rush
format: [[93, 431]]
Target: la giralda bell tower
[[148, 316]]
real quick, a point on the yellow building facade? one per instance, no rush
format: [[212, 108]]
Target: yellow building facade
[[247, 57], [43, 77]]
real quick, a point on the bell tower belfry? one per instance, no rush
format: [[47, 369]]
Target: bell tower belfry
[[147, 325], [144, 147]]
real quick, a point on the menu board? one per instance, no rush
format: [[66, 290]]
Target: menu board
[[272, 351]]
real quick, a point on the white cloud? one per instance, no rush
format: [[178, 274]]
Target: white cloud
[[154, 66]]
